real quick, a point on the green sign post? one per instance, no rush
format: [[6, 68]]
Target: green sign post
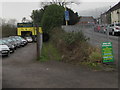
[[107, 52]]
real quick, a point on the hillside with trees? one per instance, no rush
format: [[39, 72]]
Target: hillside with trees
[[8, 28]]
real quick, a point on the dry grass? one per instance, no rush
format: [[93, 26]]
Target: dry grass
[[78, 53]]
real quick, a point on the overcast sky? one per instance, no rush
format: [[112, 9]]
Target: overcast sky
[[18, 9]]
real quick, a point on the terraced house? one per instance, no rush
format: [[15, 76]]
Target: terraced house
[[111, 16], [115, 13]]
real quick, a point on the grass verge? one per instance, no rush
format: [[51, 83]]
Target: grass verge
[[49, 52]]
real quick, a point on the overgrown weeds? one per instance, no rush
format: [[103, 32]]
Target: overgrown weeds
[[73, 48]]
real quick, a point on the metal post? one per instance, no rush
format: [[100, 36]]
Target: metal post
[[66, 10], [108, 34]]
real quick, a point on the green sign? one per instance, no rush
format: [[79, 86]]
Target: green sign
[[107, 52]]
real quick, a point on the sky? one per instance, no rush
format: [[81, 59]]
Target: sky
[[17, 9]]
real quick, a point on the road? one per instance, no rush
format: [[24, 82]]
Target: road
[[21, 70], [96, 38]]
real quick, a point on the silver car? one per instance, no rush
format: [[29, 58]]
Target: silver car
[[114, 29], [4, 49]]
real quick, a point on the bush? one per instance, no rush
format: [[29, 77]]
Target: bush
[[52, 17], [71, 38], [95, 56], [72, 46]]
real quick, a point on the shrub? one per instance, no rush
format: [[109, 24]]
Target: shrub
[[95, 56], [71, 38], [72, 46], [52, 17]]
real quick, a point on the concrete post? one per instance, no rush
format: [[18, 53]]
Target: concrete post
[[39, 43]]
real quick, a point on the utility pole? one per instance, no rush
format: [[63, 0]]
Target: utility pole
[[39, 39], [38, 43]]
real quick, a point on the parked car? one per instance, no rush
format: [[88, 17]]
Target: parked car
[[11, 42], [4, 49], [97, 28], [114, 29], [11, 47], [29, 39], [14, 41], [22, 41], [103, 28]]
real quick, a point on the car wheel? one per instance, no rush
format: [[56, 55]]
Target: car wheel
[[8, 55], [13, 51], [109, 33], [113, 33]]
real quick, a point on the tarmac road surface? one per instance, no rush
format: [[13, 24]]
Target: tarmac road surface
[[21, 70]]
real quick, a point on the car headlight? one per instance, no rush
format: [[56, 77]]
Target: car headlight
[[13, 46]]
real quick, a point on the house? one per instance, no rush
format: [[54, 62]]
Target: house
[[111, 16], [106, 17], [115, 13], [86, 20]]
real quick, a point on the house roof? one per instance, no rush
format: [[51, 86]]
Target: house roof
[[117, 6], [86, 19]]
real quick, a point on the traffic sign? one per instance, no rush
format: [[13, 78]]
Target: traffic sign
[[107, 52], [67, 15]]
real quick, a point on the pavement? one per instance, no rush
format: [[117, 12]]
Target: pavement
[[21, 70]]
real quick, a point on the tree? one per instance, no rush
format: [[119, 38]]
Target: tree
[[8, 28], [37, 16], [12, 22], [23, 19], [59, 2], [52, 17]]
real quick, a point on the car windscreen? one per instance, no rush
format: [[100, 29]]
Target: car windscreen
[[13, 39], [1, 42], [4, 41], [118, 24], [9, 40]]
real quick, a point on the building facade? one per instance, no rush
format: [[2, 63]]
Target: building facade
[[111, 16], [115, 16]]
